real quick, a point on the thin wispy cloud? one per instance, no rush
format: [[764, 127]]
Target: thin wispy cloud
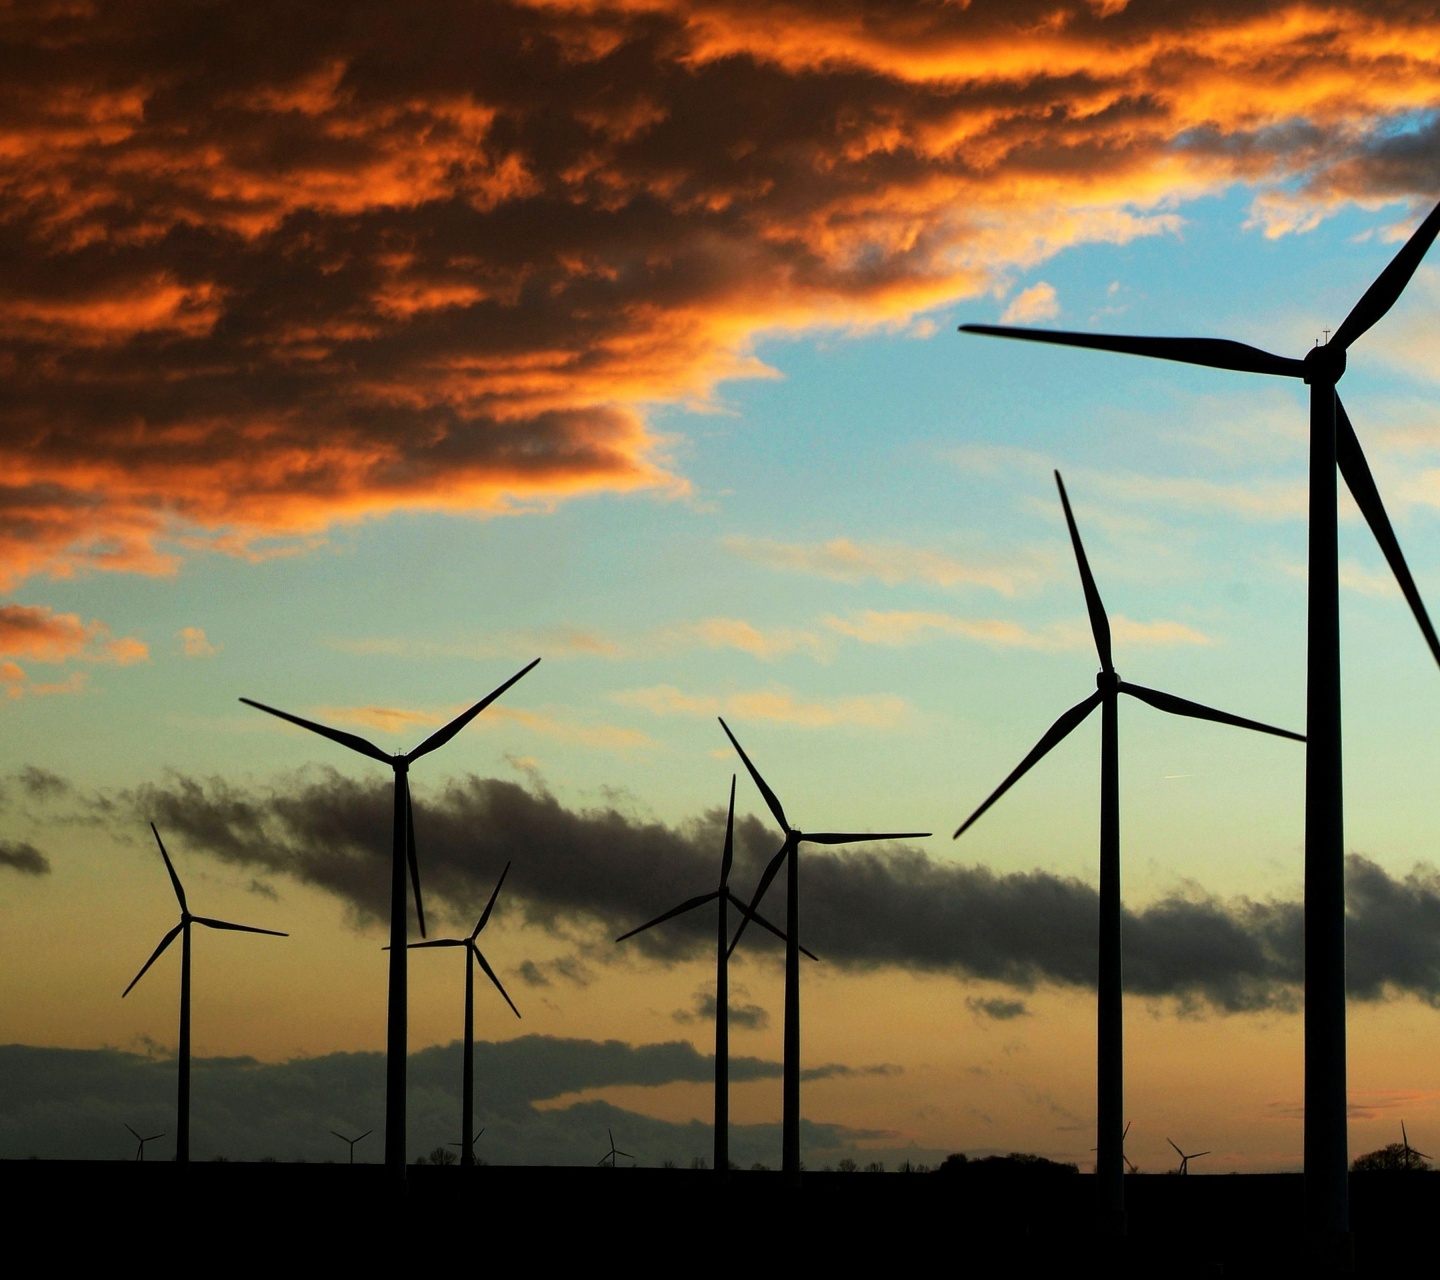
[[194, 643], [778, 705], [889, 563], [399, 721], [1032, 306], [898, 629]]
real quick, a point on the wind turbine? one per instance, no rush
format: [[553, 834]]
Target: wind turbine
[[609, 1157], [402, 853], [1125, 1133], [1184, 1159], [1110, 1067], [789, 853], [1411, 1160], [352, 1141], [182, 931], [726, 898], [470, 1145], [1332, 441], [473, 955], [140, 1150]]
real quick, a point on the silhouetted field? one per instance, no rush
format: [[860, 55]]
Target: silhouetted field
[[1245, 1224]]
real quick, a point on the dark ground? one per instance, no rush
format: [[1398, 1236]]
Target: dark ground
[[663, 1219]]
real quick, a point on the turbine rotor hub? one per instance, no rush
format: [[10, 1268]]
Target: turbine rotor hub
[[1107, 681], [1324, 364]]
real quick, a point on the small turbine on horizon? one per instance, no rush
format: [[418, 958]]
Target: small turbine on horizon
[[140, 1149], [726, 898], [1413, 1158], [1333, 443], [352, 1141], [610, 1156], [789, 854], [402, 854], [473, 956], [469, 1146], [1184, 1159], [1110, 1055], [182, 931]]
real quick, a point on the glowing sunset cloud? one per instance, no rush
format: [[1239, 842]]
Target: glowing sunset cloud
[[327, 265]]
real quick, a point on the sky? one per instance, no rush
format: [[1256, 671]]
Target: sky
[[351, 361]]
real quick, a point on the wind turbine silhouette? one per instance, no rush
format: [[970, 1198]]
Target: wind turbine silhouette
[[470, 1145], [726, 898], [352, 1141], [1410, 1153], [609, 1156], [789, 853], [1332, 442], [1125, 1133], [182, 931], [140, 1150], [402, 848], [1184, 1159], [1110, 1054], [473, 955]]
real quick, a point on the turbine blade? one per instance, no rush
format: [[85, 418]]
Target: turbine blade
[[434, 942], [765, 924], [368, 1132], [1178, 1152], [1196, 1155], [341, 1136], [688, 905], [770, 797], [441, 736], [154, 956], [411, 857], [1184, 707], [1390, 283], [1214, 353], [170, 867], [133, 1134], [727, 858], [1125, 1132], [490, 973], [1055, 734], [770, 870], [490, 906], [352, 740], [1367, 497], [1099, 622], [238, 928], [856, 837]]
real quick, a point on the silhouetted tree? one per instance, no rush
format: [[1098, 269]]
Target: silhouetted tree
[[847, 1165], [1392, 1159]]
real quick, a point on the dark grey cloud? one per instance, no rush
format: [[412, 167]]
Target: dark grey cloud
[[750, 1017], [999, 1010], [24, 858], [587, 875], [74, 1103]]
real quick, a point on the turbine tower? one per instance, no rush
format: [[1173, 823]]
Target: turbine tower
[[140, 1149], [1332, 441], [789, 854], [182, 931], [402, 853], [352, 1141], [725, 898], [473, 956], [1184, 1159], [1110, 1064]]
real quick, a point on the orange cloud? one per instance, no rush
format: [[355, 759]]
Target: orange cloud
[[275, 268], [39, 634]]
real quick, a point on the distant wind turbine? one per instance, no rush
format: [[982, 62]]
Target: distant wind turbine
[[469, 1146], [473, 956], [352, 1141], [1110, 1065], [609, 1157], [402, 847], [1413, 1159], [182, 931], [1184, 1159], [789, 854], [140, 1149], [725, 898], [1332, 442]]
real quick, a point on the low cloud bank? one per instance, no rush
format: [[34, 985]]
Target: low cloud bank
[[589, 873], [74, 1104]]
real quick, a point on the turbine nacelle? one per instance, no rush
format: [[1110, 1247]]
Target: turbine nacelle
[[1324, 363]]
